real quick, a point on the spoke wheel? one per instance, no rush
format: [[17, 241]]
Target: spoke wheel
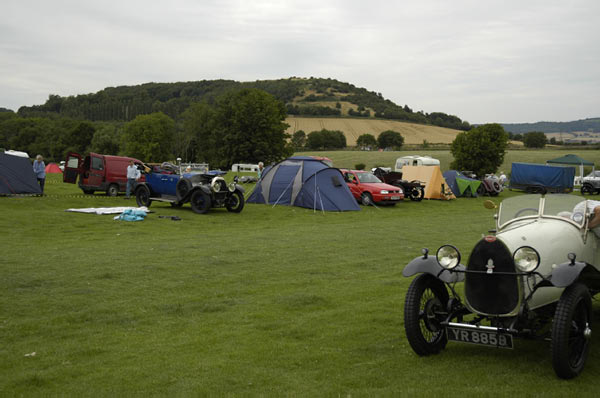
[[235, 203], [200, 201], [587, 189], [424, 309], [142, 196], [571, 331], [417, 194]]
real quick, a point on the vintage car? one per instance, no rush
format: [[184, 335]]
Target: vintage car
[[590, 184], [532, 277], [368, 189], [415, 190], [202, 190]]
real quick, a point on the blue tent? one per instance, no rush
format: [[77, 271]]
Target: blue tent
[[460, 184], [305, 182]]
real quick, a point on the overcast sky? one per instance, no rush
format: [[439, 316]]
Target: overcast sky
[[484, 61]]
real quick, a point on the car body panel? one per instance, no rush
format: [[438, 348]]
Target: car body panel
[[354, 179]]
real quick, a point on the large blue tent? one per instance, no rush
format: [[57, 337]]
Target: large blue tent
[[306, 182]]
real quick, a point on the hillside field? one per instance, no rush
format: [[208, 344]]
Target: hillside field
[[348, 159], [354, 127]]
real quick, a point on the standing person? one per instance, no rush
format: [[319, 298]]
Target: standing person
[[133, 174], [261, 166], [39, 168]]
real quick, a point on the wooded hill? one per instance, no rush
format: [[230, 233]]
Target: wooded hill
[[302, 97]]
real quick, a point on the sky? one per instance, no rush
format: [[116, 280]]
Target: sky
[[509, 61]]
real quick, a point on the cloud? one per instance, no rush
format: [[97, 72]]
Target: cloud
[[503, 61]]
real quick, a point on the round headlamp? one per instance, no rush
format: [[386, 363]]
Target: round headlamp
[[448, 257], [526, 259]]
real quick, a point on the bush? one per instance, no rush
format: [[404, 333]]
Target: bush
[[359, 166]]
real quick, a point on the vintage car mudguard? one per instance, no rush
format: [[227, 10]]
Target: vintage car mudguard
[[430, 266], [564, 274], [240, 188]]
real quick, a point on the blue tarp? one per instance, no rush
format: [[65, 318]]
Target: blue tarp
[[552, 178], [305, 182]]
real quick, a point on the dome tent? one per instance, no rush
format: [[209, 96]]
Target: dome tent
[[16, 176], [461, 185], [52, 168], [305, 182]]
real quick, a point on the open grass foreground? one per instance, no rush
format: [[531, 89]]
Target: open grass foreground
[[271, 301]]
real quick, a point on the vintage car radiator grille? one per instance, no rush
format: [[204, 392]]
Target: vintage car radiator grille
[[491, 293]]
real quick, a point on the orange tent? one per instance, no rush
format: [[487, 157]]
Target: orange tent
[[53, 168], [435, 184]]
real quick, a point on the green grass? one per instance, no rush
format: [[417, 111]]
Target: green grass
[[271, 301], [347, 159]]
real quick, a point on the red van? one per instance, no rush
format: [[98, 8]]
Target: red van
[[99, 172]]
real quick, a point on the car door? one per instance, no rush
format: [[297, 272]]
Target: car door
[[73, 167], [96, 173], [353, 184]]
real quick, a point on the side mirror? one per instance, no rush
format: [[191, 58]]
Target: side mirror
[[488, 204]]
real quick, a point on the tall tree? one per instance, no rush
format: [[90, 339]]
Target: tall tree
[[481, 149], [390, 139], [298, 139], [148, 137], [249, 127], [535, 139], [199, 123], [366, 140]]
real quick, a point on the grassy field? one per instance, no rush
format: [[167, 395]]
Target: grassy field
[[354, 127], [347, 159], [272, 301]]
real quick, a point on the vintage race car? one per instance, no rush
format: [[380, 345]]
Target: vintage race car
[[202, 190], [534, 276]]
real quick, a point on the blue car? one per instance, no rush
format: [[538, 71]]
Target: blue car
[[202, 190]]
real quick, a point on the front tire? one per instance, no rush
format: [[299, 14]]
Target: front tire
[[587, 189], [112, 190], [200, 201], [424, 308], [417, 194], [142, 196], [571, 331], [235, 203], [366, 199]]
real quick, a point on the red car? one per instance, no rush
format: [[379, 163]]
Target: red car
[[369, 189]]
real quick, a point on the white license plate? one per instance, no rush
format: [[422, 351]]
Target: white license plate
[[395, 197], [480, 337]]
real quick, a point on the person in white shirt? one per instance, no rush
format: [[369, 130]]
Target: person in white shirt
[[133, 174]]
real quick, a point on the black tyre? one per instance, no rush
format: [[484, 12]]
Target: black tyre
[[417, 194], [142, 196], [235, 203], [200, 201], [112, 190], [424, 308], [183, 188], [366, 199], [587, 189], [571, 331]]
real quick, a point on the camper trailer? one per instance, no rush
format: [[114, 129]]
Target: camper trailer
[[415, 160], [244, 167]]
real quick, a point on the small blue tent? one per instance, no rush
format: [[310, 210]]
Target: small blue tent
[[306, 182]]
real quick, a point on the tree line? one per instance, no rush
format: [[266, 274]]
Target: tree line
[[242, 125]]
